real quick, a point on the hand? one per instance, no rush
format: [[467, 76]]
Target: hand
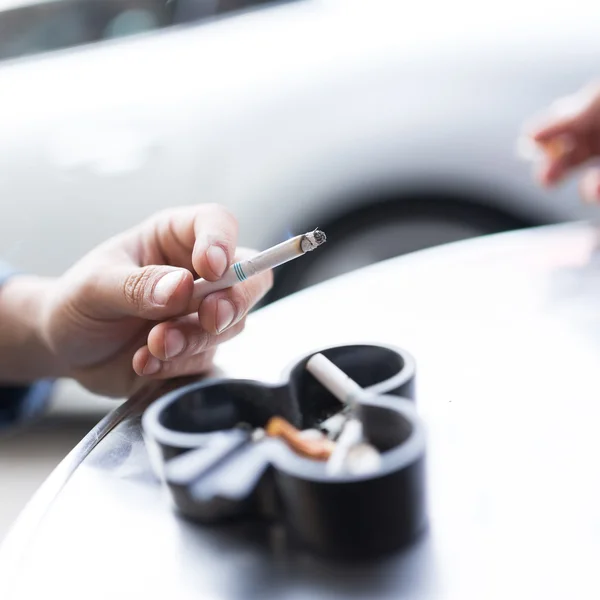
[[571, 137], [122, 314]]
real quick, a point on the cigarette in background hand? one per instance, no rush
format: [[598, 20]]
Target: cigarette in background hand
[[269, 259], [553, 149]]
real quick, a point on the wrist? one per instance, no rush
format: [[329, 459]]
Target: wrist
[[25, 355]]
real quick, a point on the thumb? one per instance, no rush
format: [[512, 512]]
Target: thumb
[[153, 292]]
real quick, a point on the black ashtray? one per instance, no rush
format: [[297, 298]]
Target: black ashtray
[[202, 441]]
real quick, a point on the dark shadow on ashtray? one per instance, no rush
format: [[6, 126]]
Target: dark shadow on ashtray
[[216, 471]]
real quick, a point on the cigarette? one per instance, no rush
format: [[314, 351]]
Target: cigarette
[[346, 390], [554, 149], [269, 259], [363, 459], [309, 446], [351, 452], [351, 435]]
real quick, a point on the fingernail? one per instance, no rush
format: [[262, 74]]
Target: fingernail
[[225, 315], [152, 366], [166, 286], [174, 343], [217, 260]]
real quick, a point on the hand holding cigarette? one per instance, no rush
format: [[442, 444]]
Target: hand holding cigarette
[[568, 138], [121, 314]]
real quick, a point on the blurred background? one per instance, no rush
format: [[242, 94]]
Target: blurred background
[[390, 125]]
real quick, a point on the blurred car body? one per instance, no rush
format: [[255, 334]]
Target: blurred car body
[[390, 126]]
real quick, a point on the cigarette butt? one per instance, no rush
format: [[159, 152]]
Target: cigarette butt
[[317, 449], [311, 434], [363, 459], [352, 434], [334, 379], [334, 425]]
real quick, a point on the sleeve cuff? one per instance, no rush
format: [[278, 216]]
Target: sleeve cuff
[[21, 404]]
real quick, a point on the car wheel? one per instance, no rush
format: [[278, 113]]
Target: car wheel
[[385, 231]]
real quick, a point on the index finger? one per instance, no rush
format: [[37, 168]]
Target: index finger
[[200, 238], [216, 231]]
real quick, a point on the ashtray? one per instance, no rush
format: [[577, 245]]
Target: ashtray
[[342, 472]]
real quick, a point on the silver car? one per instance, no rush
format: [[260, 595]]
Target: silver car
[[390, 125]]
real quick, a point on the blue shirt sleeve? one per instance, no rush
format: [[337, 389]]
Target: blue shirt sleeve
[[21, 403]]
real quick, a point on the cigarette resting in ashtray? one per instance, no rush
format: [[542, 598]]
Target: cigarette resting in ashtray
[[345, 450]]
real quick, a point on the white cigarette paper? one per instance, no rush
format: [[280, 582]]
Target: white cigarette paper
[[363, 459], [351, 435], [351, 454], [331, 377], [269, 259]]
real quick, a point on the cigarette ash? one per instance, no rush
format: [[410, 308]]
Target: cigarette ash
[[312, 240]]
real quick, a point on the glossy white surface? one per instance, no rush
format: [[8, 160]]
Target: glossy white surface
[[506, 335]]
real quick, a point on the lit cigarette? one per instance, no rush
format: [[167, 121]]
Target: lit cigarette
[[554, 149], [269, 259], [346, 390]]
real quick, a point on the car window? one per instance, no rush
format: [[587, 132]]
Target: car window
[[33, 27], [36, 26]]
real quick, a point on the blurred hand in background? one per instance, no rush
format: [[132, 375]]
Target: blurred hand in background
[[570, 137]]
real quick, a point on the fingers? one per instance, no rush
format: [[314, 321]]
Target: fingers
[[567, 115], [553, 129], [199, 238], [564, 157], [561, 148], [568, 136], [555, 169], [223, 309], [172, 346], [150, 367], [112, 291], [589, 186], [216, 232], [133, 277]]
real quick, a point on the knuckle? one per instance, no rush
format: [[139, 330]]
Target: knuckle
[[155, 219], [136, 287]]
